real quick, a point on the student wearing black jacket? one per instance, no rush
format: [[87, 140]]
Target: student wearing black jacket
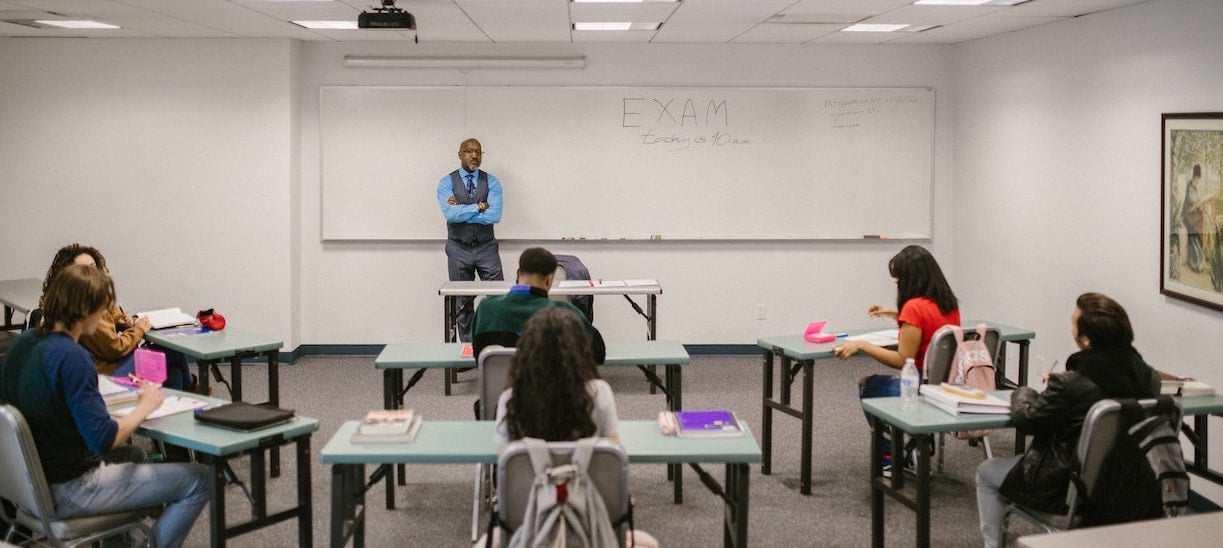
[[1107, 366]]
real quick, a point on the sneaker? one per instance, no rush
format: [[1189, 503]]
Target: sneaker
[[887, 465]]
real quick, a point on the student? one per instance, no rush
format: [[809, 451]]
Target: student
[[555, 393], [925, 302], [499, 319], [113, 344], [1107, 366], [53, 382]]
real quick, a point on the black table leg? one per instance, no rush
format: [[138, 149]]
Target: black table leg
[[766, 417], [876, 477], [808, 424], [734, 530]]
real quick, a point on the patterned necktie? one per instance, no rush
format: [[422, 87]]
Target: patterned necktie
[[471, 187]]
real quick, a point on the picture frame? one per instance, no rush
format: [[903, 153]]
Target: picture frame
[[1191, 208]]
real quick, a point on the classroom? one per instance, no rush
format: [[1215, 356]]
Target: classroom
[[197, 162]]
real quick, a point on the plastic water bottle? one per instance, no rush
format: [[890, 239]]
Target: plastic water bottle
[[909, 379]]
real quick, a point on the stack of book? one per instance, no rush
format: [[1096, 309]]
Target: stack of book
[[387, 426], [114, 393], [960, 400], [1186, 387]]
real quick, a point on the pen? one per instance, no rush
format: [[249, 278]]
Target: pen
[[1052, 367], [842, 335]]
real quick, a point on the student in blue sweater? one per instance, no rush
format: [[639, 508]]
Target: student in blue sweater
[[52, 380]]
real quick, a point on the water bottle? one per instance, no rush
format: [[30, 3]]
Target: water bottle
[[909, 379]]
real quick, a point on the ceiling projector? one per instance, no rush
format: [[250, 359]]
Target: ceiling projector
[[386, 17]]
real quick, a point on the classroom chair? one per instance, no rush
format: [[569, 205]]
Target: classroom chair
[[939, 356], [608, 470], [33, 318], [23, 483], [1102, 427], [494, 367]]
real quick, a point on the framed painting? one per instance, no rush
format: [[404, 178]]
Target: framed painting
[[1191, 209]]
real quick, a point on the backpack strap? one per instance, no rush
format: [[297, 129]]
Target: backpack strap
[[981, 332], [959, 334]]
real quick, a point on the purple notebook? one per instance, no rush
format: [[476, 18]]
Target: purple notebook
[[716, 423]]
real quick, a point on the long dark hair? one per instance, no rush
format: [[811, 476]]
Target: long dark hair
[[76, 292], [549, 375], [918, 275], [63, 259]]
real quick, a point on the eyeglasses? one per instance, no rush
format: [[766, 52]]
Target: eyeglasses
[[474, 151]]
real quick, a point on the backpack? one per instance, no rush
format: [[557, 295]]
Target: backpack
[[1144, 476], [565, 508], [971, 366]]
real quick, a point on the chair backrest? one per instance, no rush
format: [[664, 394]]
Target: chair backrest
[[33, 318], [608, 470], [1103, 426], [941, 351], [22, 481], [494, 366]]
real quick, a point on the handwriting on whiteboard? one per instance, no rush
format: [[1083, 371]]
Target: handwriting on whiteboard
[[680, 123], [852, 113]]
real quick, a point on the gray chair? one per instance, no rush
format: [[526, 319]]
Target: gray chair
[[1103, 425], [23, 483], [939, 356], [608, 470], [494, 365]]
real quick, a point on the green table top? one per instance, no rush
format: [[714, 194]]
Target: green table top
[[460, 442], [928, 419], [795, 347], [442, 355], [214, 345], [183, 430]]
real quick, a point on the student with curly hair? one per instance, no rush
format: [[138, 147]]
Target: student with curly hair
[[554, 391], [113, 344]]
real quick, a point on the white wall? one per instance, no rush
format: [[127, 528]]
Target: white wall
[[387, 292], [173, 157], [1057, 168]]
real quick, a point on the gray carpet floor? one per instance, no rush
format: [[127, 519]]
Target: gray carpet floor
[[435, 507]]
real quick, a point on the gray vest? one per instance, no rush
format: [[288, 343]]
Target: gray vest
[[469, 233]]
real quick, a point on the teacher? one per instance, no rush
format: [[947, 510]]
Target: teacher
[[470, 200]]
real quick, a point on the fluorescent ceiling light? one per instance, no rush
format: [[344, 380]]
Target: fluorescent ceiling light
[[327, 25], [74, 24], [616, 26], [869, 27], [602, 26], [619, 1], [968, 2], [386, 61]]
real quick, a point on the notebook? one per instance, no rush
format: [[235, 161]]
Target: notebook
[[716, 423], [167, 317], [244, 417]]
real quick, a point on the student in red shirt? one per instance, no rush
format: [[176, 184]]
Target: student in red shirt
[[924, 303]]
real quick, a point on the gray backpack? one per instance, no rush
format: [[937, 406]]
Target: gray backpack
[[564, 509]]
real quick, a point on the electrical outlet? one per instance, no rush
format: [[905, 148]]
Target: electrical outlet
[[762, 312]]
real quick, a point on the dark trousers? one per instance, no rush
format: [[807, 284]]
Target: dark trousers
[[464, 262]]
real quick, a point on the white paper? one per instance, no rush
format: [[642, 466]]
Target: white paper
[[573, 283], [884, 337], [169, 406], [638, 283], [609, 283]]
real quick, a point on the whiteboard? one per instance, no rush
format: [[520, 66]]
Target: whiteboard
[[633, 163]]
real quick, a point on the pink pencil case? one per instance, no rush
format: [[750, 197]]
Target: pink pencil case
[[151, 365], [812, 334]]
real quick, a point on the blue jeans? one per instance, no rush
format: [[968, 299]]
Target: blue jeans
[[880, 386], [178, 373], [183, 489], [991, 506]]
